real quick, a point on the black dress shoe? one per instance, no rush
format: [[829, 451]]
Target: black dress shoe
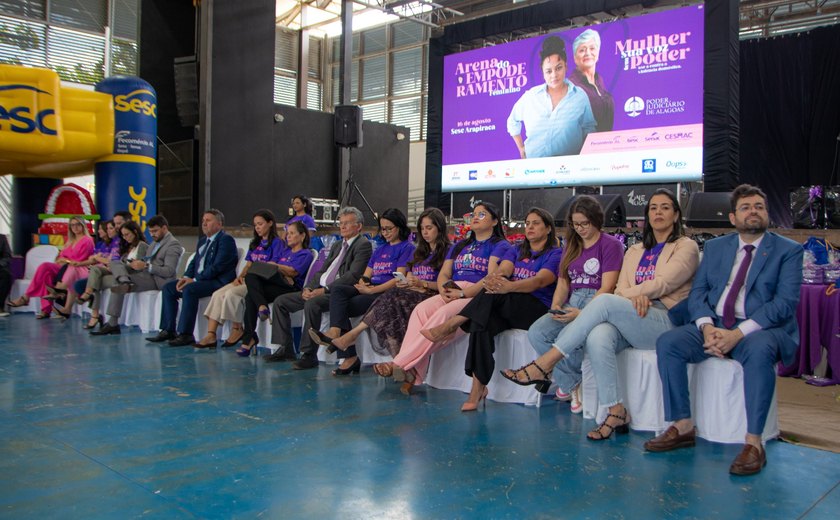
[[280, 355], [305, 363], [106, 330], [182, 340], [162, 336]]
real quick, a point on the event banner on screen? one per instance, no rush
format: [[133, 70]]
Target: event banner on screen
[[626, 106]]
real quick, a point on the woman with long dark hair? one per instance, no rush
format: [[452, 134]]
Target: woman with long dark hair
[[132, 247], [389, 314], [655, 275], [228, 302], [292, 266], [302, 208], [348, 301], [512, 298], [467, 263], [589, 268]]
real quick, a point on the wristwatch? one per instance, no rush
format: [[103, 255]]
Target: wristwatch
[[462, 294]]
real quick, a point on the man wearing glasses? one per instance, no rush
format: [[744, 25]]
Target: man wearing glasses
[[742, 306], [344, 265]]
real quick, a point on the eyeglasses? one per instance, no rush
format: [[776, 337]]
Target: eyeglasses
[[743, 208], [347, 223], [388, 229], [580, 225], [480, 215]]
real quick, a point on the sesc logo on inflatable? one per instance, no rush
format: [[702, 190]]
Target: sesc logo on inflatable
[[24, 118], [141, 101]]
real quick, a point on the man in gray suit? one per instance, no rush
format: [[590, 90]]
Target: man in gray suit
[[344, 265], [146, 274]]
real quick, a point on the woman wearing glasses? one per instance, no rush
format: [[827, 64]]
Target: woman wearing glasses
[[467, 263], [655, 276], [388, 316], [504, 303], [77, 249], [348, 301], [589, 268]]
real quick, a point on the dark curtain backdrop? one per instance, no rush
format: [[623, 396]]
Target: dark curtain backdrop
[[720, 111], [790, 113]]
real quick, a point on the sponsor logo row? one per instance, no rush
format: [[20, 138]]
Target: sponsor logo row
[[646, 165]]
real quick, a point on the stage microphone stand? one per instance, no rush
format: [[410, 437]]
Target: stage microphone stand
[[350, 185]]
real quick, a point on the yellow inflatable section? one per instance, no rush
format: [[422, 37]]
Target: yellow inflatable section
[[47, 130]]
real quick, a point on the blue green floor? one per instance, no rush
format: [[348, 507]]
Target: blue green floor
[[115, 427]]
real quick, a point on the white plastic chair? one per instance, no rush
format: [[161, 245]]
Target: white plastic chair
[[34, 258]]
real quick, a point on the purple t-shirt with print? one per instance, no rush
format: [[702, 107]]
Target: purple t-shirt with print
[[385, 260], [299, 261], [603, 256], [472, 262], [529, 267], [646, 270], [425, 272], [265, 252], [307, 220]]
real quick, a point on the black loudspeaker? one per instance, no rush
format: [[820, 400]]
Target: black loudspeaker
[[546, 198], [186, 90], [709, 210], [613, 205], [348, 126]]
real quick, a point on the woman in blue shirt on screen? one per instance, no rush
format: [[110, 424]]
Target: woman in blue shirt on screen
[[557, 114]]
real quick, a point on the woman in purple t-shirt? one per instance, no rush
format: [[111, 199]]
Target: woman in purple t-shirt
[[388, 316], [467, 263], [590, 267], [302, 208], [227, 303], [513, 298], [348, 301]]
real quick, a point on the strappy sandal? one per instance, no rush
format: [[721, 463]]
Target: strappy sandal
[[618, 429], [541, 385], [384, 369], [23, 301]]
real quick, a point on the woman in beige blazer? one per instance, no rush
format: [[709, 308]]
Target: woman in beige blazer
[[655, 276]]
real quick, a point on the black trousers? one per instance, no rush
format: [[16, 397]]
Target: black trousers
[[490, 314], [261, 291], [5, 286], [346, 303]]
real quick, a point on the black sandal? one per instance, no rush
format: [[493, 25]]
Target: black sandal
[[541, 385], [618, 429]]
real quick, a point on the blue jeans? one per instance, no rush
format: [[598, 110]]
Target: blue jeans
[[544, 332], [608, 325]]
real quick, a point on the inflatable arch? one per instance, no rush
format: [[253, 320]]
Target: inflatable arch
[[51, 131]]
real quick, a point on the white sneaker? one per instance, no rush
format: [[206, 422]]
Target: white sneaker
[[577, 401], [3, 314], [560, 395]]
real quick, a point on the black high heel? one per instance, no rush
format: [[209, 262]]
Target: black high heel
[[354, 369], [98, 321], [322, 339], [541, 385], [622, 428], [228, 344]]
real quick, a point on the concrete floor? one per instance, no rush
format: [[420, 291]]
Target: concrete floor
[[115, 427]]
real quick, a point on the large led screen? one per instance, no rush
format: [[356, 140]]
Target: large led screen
[[616, 103]]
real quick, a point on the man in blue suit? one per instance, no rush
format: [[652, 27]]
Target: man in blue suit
[[742, 306], [212, 267]]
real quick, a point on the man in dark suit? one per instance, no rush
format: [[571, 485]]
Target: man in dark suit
[[5, 273], [344, 265], [213, 266], [149, 273], [743, 306]]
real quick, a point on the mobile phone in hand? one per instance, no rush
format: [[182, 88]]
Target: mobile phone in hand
[[451, 285], [399, 276], [366, 279], [558, 312]]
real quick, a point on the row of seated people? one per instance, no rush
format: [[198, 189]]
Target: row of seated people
[[586, 298]]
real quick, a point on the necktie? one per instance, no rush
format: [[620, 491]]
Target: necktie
[[203, 254], [337, 264], [154, 250], [737, 284]]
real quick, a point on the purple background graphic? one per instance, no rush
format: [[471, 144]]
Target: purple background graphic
[[679, 84]]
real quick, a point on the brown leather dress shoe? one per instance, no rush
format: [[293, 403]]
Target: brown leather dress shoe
[[749, 461], [671, 440]]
